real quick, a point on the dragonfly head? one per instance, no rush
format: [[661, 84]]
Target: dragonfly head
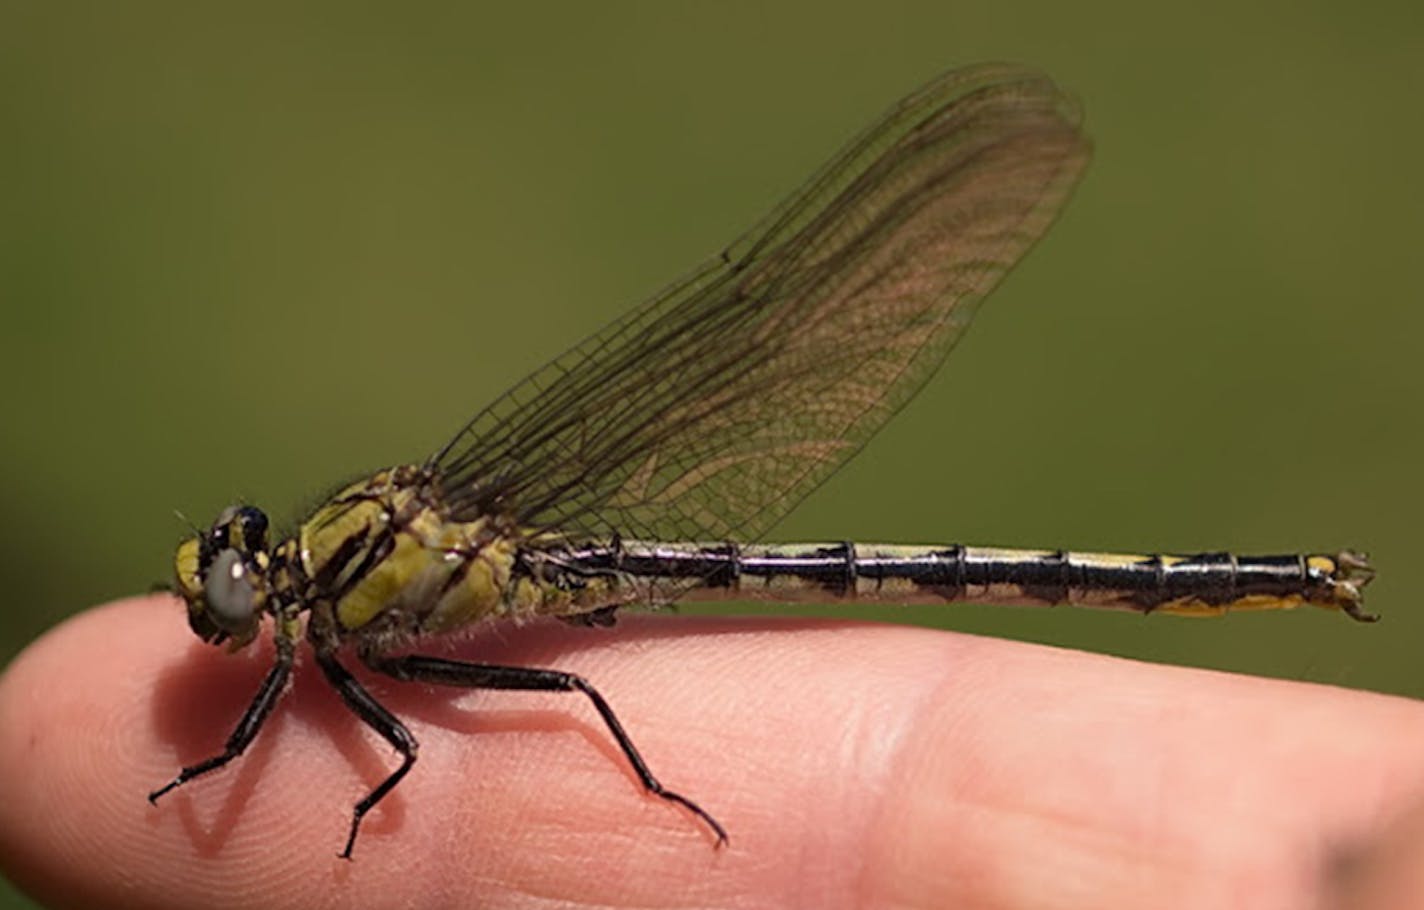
[[222, 575]]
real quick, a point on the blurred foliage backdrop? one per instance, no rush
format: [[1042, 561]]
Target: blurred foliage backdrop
[[247, 253]]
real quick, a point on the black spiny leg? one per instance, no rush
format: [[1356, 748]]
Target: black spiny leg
[[252, 719], [415, 668], [371, 712]]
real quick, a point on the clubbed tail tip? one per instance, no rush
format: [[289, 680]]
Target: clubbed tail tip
[[1352, 573]]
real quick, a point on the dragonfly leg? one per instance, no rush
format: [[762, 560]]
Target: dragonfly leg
[[437, 671], [273, 685], [375, 716]]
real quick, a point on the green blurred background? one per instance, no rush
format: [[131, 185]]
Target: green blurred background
[[250, 253]]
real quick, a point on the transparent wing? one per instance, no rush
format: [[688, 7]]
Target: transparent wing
[[712, 409]]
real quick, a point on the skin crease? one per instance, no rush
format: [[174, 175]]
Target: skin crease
[[853, 765]]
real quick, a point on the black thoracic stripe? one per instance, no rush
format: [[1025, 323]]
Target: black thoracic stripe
[[375, 554], [456, 577], [336, 564]]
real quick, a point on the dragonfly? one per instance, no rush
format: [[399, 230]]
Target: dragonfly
[[644, 465]]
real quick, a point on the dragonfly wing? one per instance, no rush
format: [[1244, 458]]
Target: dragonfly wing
[[712, 409]]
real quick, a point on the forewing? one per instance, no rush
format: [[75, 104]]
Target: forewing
[[712, 409]]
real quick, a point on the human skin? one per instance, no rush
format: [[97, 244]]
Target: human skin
[[853, 765]]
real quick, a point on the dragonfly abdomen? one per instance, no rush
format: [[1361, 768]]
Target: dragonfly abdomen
[[1204, 584]]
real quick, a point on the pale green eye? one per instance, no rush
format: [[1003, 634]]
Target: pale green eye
[[229, 592]]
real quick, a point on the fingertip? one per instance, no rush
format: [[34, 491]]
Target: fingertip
[[72, 733]]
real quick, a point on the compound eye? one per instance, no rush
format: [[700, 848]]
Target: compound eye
[[254, 527], [229, 591]]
